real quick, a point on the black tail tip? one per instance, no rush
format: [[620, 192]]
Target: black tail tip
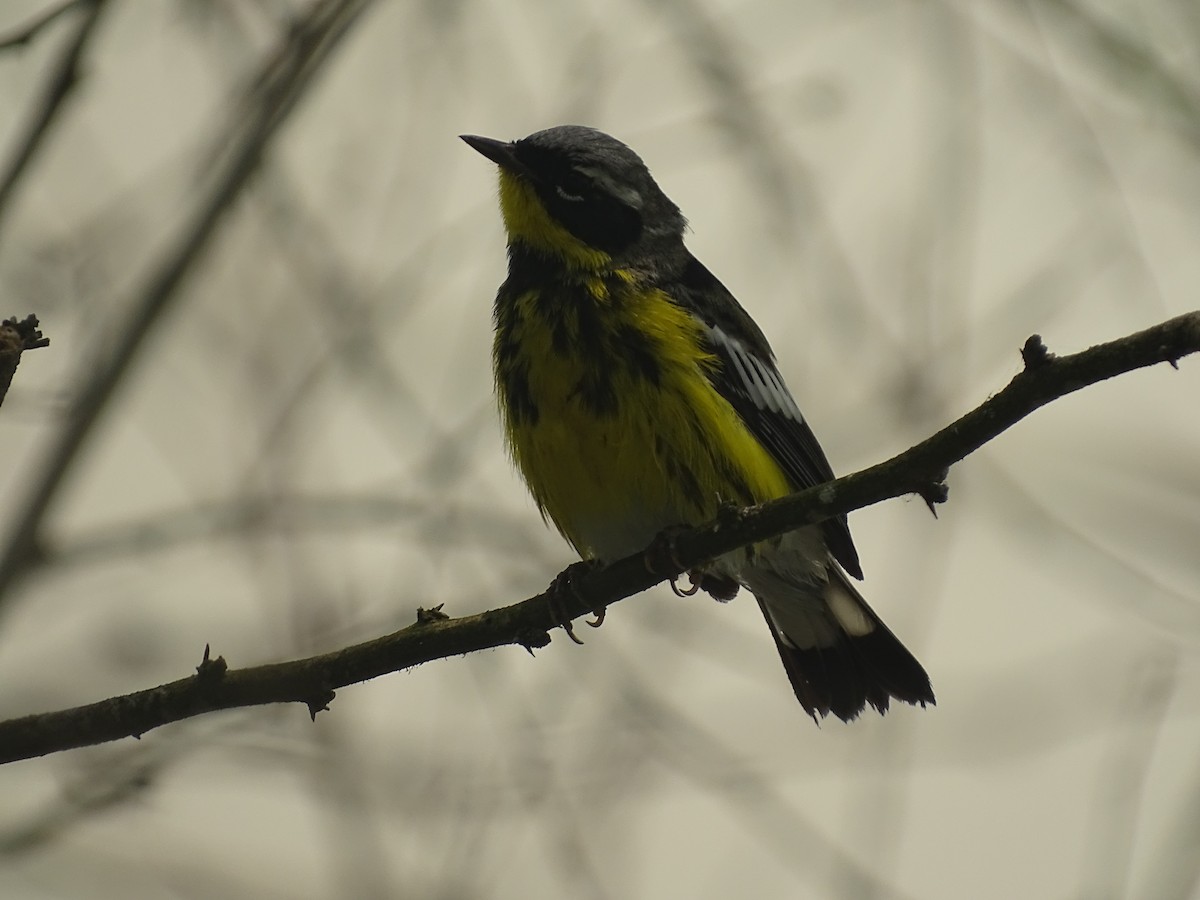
[[844, 679]]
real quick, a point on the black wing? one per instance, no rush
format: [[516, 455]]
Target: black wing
[[754, 387]]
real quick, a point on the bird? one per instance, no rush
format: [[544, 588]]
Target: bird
[[637, 396]]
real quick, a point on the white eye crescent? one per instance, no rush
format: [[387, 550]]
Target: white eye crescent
[[574, 198]]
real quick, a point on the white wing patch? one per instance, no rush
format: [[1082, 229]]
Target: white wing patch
[[762, 381]]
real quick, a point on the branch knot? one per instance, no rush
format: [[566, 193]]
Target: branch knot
[[1035, 354]]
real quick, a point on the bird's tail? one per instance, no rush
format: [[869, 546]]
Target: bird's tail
[[838, 654]]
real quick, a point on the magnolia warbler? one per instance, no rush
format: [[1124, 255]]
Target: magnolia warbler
[[637, 395]]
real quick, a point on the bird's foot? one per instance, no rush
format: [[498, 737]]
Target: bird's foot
[[564, 593], [661, 557]]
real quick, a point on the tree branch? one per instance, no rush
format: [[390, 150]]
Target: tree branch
[[312, 681]]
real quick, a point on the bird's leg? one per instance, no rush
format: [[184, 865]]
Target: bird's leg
[[661, 560], [660, 557], [565, 588]]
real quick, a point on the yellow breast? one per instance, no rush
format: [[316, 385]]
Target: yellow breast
[[612, 419]]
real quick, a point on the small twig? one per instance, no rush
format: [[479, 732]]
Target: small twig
[[15, 338], [312, 681]]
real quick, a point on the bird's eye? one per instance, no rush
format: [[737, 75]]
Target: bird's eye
[[567, 195]]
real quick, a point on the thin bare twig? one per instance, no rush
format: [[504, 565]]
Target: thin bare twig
[[312, 681]]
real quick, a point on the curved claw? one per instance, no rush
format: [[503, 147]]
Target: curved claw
[[684, 592], [566, 626], [599, 620]]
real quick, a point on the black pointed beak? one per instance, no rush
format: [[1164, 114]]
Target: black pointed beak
[[499, 152]]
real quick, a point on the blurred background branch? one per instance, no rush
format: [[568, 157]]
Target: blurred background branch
[[23, 34], [60, 82], [274, 92]]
